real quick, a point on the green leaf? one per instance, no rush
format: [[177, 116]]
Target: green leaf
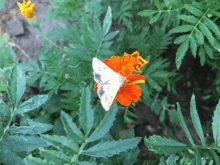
[[197, 156], [105, 125], [84, 163], [181, 29], [111, 35], [36, 161], [3, 38], [4, 110], [190, 19], [33, 128], [165, 20], [171, 160], [153, 84], [155, 18], [163, 145], [199, 37], [207, 33], [55, 156], [31, 104], [110, 148], [216, 125], [16, 85], [208, 50], [146, 13], [158, 4], [193, 10], [163, 162], [202, 55], [193, 46], [183, 125], [215, 156], [1, 128], [107, 21], [211, 26], [24, 143], [181, 39], [71, 128], [196, 120], [10, 158], [131, 156], [181, 51], [86, 113], [62, 143]]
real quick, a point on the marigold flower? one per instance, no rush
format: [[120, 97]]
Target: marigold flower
[[26, 9], [129, 91]]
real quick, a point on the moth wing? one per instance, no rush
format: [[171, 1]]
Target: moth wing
[[108, 81]]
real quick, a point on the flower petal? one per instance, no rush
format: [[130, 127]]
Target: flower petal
[[109, 64], [135, 78], [127, 70], [123, 98]]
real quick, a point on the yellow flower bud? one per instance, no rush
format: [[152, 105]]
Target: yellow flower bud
[[26, 9]]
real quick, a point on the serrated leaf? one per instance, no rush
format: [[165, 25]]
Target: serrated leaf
[[181, 29], [36, 161], [146, 12], [105, 125], [4, 110], [163, 162], [71, 128], [207, 33], [181, 39], [62, 143], [193, 46], [193, 10], [202, 55], [158, 4], [190, 19], [216, 125], [1, 128], [215, 156], [24, 143], [110, 148], [163, 145], [199, 36], [131, 156], [107, 21], [10, 158], [196, 120], [153, 84], [111, 35], [55, 156], [33, 128], [211, 26], [16, 85], [84, 163], [155, 18], [86, 113], [208, 50], [181, 51], [31, 104], [183, 124]]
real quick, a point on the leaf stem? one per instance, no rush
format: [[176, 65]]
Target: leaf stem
[[75, 157]]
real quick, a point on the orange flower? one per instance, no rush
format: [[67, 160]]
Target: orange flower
[[125, 65], [26, 9], [139, 62]]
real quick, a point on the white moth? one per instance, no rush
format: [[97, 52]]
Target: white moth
[[108, 81]]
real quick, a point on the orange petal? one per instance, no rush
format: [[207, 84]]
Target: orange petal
[[134, 89], [123, 98], [95, 87], [109, 64], [135, 78], [127, 70]]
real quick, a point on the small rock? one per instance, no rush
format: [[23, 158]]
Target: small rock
[[14, 27]]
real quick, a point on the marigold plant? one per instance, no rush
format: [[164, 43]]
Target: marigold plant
[[129, 91], [26, 9]]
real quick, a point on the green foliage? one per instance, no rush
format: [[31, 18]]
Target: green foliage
[[21, 142], [2, 4], [167, 146], [194, 18]]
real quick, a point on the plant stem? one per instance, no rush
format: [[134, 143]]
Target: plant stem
[[75, 157]]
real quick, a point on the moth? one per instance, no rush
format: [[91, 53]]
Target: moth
[[108, 81]]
